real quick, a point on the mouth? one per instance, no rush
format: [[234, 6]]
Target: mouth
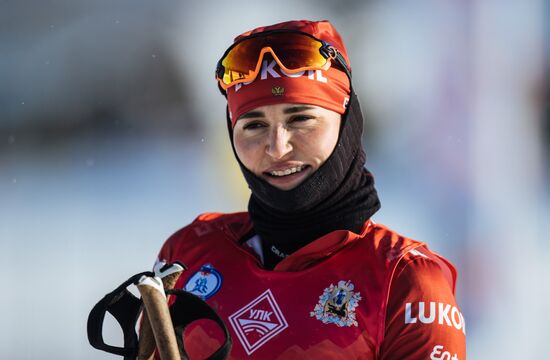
[[286, 172], [288, 177]]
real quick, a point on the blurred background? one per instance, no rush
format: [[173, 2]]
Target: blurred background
[[113, 136]]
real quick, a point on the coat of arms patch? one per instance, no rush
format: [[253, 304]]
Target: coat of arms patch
[[337, 305]]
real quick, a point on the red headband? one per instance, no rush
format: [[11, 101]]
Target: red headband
[[329, 89]]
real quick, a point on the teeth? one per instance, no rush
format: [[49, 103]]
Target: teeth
[[287, 171]]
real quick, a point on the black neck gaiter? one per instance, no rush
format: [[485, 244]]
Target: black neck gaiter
[[340, 195]]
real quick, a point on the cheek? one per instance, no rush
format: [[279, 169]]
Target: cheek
[[248, 151], [331, 137], [329, 143], [322, 144]]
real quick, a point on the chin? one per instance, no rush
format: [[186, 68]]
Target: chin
[[286, 188], [285, 184]]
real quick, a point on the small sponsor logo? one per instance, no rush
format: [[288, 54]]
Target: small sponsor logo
[[258, 322], [204, 283], [278, 252], [278, 90], [415, 252], [438, 353], [346, 102], [428, 313], [337, 305]]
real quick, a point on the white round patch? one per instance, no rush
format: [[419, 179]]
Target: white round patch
[[204, 283]]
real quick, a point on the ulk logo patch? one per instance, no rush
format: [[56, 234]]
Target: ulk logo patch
[[258, 322]]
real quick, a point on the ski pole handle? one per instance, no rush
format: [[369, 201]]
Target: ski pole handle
[[154, 300], [170, 275]]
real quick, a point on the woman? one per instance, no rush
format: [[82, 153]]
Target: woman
[[305, 273]]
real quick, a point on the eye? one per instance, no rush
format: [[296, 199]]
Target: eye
[[252, 125], [301, 118]]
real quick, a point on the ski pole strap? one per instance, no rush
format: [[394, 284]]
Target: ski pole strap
[[182, 317], [125, 308]]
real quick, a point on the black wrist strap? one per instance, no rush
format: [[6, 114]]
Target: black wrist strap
[[126, 307]]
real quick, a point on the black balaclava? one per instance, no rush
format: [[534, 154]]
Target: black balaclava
[[340, 195]]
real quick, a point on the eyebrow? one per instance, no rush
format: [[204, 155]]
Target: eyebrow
[[288, 110], [252, 114], [296, 109]]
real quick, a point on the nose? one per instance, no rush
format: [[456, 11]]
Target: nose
[[278, 143]]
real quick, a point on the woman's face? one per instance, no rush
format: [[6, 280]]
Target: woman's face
[[286, 143]]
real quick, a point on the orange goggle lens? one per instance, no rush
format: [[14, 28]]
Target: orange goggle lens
[[294, 52]]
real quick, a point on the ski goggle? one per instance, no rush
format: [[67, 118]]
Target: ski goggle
[[294, 52]]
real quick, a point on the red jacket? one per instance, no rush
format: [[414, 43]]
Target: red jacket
[[374, 295]]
